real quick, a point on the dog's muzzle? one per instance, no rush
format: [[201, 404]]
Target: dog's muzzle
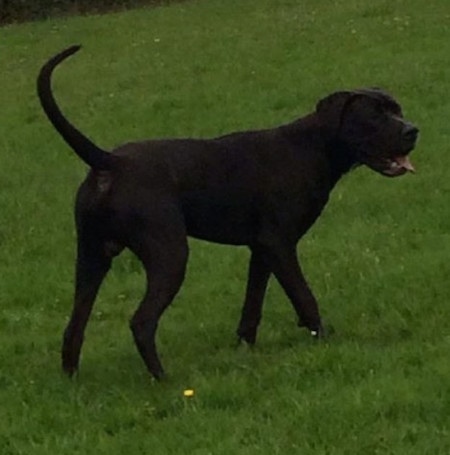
[[398, 166], [401, 164]]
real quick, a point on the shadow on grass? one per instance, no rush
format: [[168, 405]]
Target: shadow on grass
[[33, 10]]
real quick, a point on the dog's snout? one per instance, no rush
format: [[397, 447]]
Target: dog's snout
[[410, 132]]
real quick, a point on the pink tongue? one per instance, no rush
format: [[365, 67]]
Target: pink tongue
[[404, 162]]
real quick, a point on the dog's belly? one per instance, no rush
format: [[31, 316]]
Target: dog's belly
[[220, 216]]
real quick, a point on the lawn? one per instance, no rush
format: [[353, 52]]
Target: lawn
[[377, 260]]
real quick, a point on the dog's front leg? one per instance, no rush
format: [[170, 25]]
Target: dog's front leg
[[283, 262], [258, 276]]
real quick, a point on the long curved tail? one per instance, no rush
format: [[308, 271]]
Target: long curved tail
[[92, 155]]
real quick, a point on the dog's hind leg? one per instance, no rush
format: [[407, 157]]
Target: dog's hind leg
[[163, 250], [258, 276], [93, 263]]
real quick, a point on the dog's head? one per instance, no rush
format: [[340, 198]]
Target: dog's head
[[369, 125]]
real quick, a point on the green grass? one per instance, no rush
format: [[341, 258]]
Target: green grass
[[378, 259]]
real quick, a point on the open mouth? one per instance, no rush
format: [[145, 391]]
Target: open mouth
[[397, 166]]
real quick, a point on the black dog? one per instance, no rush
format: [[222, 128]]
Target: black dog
[[263, 189]]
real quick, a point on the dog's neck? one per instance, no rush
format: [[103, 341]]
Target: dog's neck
[[309, 129]]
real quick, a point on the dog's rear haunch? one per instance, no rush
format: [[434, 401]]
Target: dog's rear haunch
[[262, 189]]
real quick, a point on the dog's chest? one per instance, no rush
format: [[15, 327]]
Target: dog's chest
[[234, 216], [220, 215]]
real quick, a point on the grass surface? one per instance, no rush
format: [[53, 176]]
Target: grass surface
[[378, 259]]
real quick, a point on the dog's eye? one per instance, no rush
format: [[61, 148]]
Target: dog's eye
[[397, 111], [379, 109], [393, 109]]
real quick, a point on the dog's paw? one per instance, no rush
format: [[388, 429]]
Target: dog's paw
[[319, 331], [70, 370], [247, 334], [244, 346], [322, 332], [249, 340]]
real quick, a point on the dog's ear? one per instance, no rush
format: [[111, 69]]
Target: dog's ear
[[331, 109]]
